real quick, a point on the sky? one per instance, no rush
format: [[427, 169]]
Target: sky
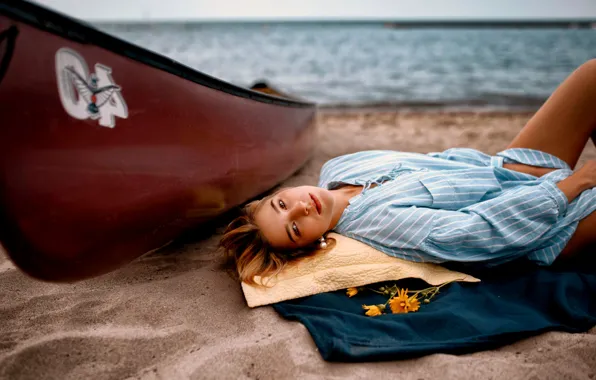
[[324, 9]]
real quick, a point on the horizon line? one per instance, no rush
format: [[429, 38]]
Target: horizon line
[[355, 20]]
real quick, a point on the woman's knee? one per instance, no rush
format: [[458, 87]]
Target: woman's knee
[[590, 63], [588, 69]]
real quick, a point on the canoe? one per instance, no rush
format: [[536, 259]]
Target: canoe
[[109, 151]]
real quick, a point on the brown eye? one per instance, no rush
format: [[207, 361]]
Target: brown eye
[[295, 228], [282, 204]]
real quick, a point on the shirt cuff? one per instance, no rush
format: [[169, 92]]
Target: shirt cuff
[[560, 199], [496, 161]]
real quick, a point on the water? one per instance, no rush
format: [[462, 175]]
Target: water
[[349, 64]]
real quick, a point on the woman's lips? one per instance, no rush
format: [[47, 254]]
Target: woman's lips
[[317, 203]]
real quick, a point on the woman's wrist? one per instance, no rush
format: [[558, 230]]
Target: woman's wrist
[[573, 186]]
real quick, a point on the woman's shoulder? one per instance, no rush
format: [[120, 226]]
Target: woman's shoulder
[[362, 166]]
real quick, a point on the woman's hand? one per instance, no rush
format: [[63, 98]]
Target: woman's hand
[[582, 179]]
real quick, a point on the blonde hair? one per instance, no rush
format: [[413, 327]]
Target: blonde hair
[[247, 248]]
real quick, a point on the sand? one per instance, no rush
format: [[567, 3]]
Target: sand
[[175, 314]]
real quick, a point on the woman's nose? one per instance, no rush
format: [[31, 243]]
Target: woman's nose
[[301, 208]]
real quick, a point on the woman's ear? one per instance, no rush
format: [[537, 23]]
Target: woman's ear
[[329, 244]]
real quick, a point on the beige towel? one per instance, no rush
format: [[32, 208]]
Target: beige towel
[[349, 264]]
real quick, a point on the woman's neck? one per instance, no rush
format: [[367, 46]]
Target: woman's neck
[[342, 198]]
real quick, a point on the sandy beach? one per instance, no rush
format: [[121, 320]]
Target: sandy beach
[[176, 314]]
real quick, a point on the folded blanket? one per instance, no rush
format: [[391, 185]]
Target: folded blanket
[[349, 263], [512, 302]]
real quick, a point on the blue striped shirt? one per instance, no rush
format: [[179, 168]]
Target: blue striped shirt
[[457, 205]]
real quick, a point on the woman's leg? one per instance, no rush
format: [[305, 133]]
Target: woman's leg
[[565, 122], [584, 237], [562, 127]]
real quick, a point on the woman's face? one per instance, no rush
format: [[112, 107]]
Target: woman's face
[[295, 217]]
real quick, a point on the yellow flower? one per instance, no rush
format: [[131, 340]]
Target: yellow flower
[[413, 304], [374, 310], [400, 303], [351, 292]]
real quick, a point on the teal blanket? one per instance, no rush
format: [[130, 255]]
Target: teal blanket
[[511, 303]]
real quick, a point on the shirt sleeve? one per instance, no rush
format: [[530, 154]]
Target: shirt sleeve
[[499, 228], [469, 156], [532, 157]]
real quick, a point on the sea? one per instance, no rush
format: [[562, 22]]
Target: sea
[[372, 65]]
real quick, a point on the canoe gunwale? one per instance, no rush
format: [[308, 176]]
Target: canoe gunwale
[[84, 33]]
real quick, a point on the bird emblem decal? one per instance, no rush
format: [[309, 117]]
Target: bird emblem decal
[[94, 95], [87, 95]]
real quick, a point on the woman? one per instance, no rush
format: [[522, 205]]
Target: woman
[[459, 205]]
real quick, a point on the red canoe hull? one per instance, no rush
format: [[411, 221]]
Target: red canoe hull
[[78, 199]]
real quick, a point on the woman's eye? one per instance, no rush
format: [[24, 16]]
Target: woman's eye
[[282, 204], [295, 228]]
